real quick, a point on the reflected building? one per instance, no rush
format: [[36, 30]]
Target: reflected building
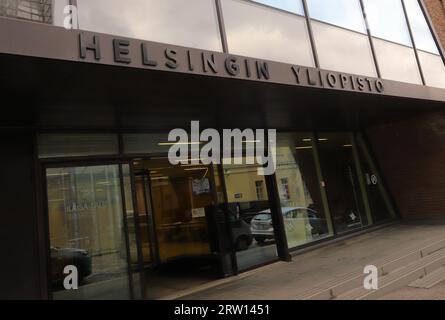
[[354, 89]]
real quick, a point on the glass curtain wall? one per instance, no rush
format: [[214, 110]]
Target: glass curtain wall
[[87, 230], [344, 181], [190, 23], [249, 208], [340, 36], [255, 30], [304, 212]]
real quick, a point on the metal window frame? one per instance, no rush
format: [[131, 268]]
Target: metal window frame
[[413, 41], [432, 29]]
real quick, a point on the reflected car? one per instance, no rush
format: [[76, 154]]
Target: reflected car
[[262, 227], [242, 234], [62, 257]]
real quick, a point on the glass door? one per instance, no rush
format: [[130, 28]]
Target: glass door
[[90, 210]]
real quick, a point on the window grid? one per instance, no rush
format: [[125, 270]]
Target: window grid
[[42, 11]]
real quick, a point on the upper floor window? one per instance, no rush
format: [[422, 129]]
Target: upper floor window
[[295, 6], [421, 32], [387, 20], [191, 23], [344, 13]]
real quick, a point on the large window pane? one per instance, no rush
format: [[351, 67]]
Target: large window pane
[[299, 187], [45, 11], [433, 69], [378, 199], [422, 34], [85, 217], [342, 50], [250, 215], [397, 62], [255, 31], [342, 182], [146, 143], [295, 6], [71, 145], [191, 23], [387, 20], [343, 13]]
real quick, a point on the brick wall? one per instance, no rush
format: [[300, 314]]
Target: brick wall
[[436, 9], [411, 154]]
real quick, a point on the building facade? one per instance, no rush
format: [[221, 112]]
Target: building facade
[[350, 91]]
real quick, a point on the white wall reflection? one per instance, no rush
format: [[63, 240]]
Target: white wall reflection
[[191, 23], [259, 32]]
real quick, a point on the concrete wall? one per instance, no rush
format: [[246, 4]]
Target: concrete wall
[[411, 154]]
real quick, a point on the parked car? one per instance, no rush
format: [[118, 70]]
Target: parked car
[[241, 233], [262, 227], [248, 210], [62, 257]]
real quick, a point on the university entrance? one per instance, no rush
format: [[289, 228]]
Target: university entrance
[[139, 229], [135, 226]]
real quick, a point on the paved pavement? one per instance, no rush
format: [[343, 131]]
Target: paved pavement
[[286, 280]]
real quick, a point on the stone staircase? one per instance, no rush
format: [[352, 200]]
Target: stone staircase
[[422, 266]]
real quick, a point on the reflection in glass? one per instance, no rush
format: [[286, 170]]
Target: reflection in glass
[[299, 187], [342, 184], [72, 145], [146, 143], [87, 231], [433, 69], [172, 206], [379, 203], [422, 34], [44, 11], [344, 13], [295, 6], [190, 23], [256, 31], [397, 62], [387, 20], [250, 215], [342, 50]]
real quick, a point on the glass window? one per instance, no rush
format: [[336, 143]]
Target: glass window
[[344, 13], [387, 20], [422, 34], [341, 180], [302, 207], [85, 216], [433, 69], [342, 50], [295, 6], [191, 23], [255, 31], [71, 145], [397, 62], [146, 143], [45, 11], [250, 215], [379, 202]]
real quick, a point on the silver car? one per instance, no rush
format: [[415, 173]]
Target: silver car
[[262, 228]]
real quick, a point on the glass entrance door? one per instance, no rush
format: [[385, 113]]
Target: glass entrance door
[[89, 211]]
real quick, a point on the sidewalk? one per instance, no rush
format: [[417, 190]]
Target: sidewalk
[[285, 281]]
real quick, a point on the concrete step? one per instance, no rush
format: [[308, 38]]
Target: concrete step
[[430, 280], [339, 285], [399, 278]]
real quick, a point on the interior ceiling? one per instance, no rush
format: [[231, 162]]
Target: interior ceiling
[[50, 94]]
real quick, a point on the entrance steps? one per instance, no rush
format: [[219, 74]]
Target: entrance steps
[[422, 265], [430, 280]]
